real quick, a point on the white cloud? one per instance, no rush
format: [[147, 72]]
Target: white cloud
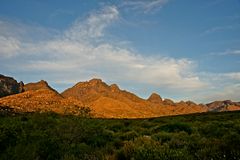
[[94, 26], [222, 86], [9, 46], [228, 92], [233, 75], [74, 55], [145, 6]]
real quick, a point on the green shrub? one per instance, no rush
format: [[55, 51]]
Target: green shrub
[[130, 135], [144, 148], [162, 137], [213, 129], [52, 136], [176, 127]]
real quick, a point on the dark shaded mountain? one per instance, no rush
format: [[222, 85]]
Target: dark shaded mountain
[[9, 86]]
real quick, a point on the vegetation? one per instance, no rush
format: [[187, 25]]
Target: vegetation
[[53, 136]]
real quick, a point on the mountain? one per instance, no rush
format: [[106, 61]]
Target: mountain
[[105, 101], [155, 98], [90, 91], [9, 86], [110, 101], [226, 105], [38, 85], [40, 97]]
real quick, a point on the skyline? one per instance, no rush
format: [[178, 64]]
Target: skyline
[[181, 50]]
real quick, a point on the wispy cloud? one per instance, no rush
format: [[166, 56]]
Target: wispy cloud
[[214, 3], [145, 6], [227, 52], [95, 24], [228, 92], [223, 86], [9, 46], [76, 54], [76, 51], [219, 29]]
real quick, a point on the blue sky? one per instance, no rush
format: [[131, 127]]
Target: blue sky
[[181, 49]]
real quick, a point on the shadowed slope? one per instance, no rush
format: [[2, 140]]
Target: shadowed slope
[[9, 86]]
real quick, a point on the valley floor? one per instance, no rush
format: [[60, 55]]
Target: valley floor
[[52, 136]]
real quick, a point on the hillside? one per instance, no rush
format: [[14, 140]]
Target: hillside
[[110, 101], [40, 97]]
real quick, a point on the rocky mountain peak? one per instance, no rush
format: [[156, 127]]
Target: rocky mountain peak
[[168, 102], [155, 98], [191, 103], [43, 82], [95, 81], [37, 85], [114, 87]]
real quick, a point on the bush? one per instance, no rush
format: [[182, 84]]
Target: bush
[[53, 136], [176, 127], [130, 135], [162, 137], [144, 148], [213, 130]]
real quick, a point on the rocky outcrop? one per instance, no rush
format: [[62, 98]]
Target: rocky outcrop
[[9, 86], [37, 85], [114, 88], [155, 98], [190, 103], [21, 87], [168, 102]]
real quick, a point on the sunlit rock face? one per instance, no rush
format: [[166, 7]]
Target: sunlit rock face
[[155, 98], [104, 101]]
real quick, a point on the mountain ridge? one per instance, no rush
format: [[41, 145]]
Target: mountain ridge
[[105, 101]]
